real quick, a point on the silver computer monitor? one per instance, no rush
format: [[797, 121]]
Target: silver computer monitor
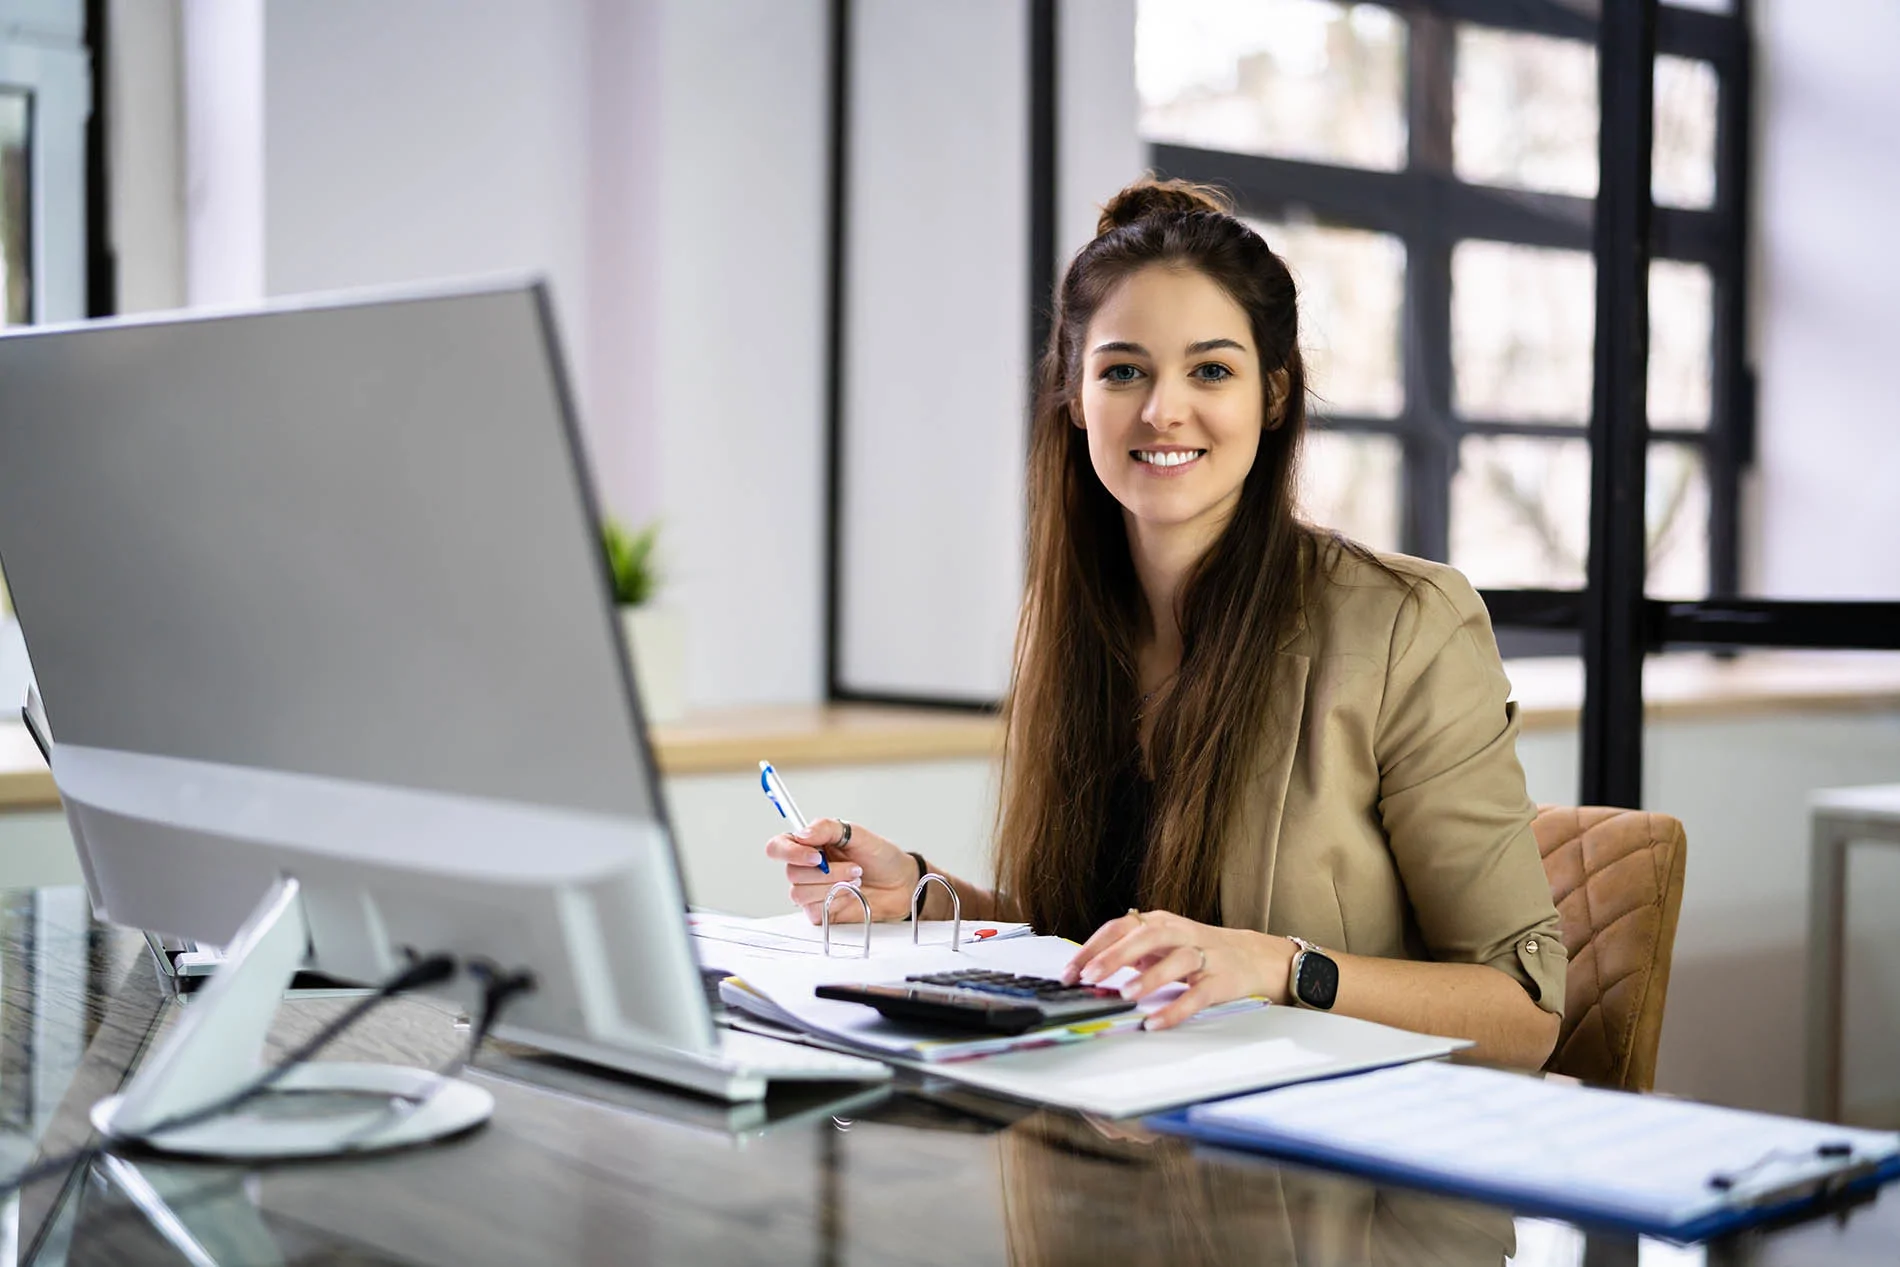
[[316, 593]]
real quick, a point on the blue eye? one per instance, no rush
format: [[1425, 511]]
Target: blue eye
[[1213, 372], [1120, 374]]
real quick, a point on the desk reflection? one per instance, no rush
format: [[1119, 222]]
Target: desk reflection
[[1069, 1192], [1075, 1191]]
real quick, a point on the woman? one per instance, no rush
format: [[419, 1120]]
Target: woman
[[1256, 739]]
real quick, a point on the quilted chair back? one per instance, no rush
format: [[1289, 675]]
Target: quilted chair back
[[1616, 877]]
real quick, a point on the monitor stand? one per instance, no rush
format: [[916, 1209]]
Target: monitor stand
[[216, 1048]]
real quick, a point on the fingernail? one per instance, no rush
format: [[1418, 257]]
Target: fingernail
[[1150, 1023], [1091, 974], [1068, 975], [1132, 990], [813, 859], [855, 872]]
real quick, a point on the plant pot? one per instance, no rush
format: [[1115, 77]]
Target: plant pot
[[656, 643]]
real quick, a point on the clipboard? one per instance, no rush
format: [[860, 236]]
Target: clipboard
[[1647, 1164]]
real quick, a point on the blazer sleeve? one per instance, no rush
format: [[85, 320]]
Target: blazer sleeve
[[1452, 795]]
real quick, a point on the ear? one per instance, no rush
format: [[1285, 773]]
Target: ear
[[1279, 382], [1074, 408]]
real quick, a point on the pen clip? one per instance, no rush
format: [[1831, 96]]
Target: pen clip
[[781, 799]]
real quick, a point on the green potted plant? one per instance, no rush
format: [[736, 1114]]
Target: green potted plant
[[655, 633]]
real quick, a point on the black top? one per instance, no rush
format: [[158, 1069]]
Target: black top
[[1116, 883]]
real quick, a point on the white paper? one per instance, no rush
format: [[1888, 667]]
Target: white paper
[[1212, 1056], [1644, 1155], [733, 942], [1270, 1058]]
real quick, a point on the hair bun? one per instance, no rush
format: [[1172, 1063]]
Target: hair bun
[[1150, 198]]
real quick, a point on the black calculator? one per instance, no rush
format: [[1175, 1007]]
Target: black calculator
[[977, 999]]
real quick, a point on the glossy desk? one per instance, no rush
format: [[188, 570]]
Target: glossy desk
[[579, 1168]]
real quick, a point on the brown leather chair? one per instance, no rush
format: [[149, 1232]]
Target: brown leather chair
[[1616, 876]]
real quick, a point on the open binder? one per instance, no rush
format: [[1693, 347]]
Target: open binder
[[1648, 1164]]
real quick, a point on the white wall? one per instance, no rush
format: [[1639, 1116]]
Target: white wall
[[223, 110], [1827, 305], [739, 432]]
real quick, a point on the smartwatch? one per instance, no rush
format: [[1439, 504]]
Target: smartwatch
[[1314, 981]]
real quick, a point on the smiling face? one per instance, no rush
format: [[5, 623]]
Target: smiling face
[[1173, 400]]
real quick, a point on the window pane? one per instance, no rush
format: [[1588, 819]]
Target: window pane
[[1520, 515], [1525, 115], [1522, 331], [1524, 111], [1520, 512], [1351, 482], [1677, 514], [1681, 334], [16, 278], [1682, 162], [1352, 291], [1292, 78]]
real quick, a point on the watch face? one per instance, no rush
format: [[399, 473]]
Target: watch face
[[1318, 983]]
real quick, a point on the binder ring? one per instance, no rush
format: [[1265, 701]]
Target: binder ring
[[956, 910], [862, 901]]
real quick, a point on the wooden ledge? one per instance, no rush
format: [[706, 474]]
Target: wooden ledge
[[817, 734], [790, 736], [1691, 686], [1677, 687]]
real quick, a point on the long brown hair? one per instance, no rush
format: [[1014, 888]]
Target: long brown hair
[[1071, 712]]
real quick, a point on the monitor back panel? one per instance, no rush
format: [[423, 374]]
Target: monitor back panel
[[353, 539]]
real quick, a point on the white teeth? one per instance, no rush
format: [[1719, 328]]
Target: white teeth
[[1176, 458]]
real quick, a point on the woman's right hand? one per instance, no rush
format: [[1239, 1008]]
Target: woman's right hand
[[885, 874]]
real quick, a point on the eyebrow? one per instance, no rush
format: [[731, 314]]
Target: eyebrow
[[1194, 349]]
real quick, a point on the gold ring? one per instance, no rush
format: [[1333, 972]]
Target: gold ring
[[1137, 915]]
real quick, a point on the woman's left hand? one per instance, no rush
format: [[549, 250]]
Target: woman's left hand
[[1217, 964]]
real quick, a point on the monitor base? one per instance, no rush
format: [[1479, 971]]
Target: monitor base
[[322, 1108], [386, 1106]]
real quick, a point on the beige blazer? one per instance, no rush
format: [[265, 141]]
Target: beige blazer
[[1397, 823]]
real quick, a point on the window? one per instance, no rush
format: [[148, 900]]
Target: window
[[16, 257], [1428, 172]]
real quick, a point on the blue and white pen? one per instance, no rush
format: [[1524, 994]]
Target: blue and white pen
[[781, 798]]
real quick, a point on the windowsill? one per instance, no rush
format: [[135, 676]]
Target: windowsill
[[1693, 686], [1677, 687]]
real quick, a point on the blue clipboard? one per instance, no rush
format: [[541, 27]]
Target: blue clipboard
[[1530, 1199]]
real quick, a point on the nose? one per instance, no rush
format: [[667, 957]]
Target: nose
[[1167, 406]]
